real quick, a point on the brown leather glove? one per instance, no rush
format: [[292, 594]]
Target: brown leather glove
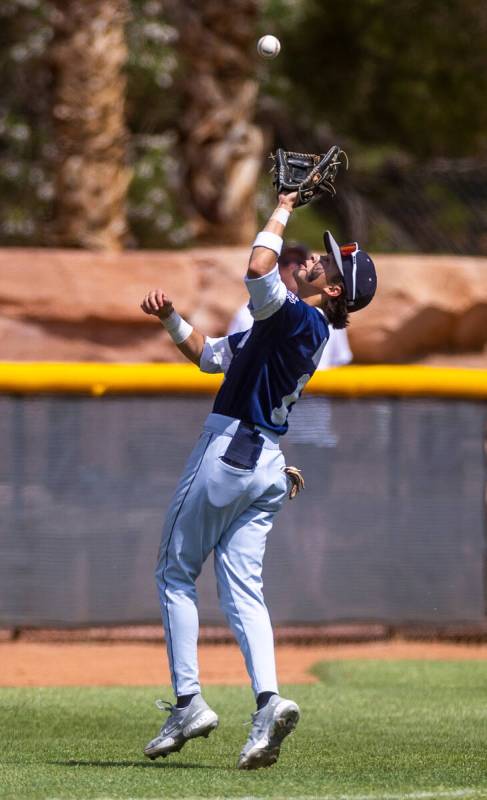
[[297, 481]]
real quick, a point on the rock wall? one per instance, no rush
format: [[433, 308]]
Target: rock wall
[[425, 305], [67, 305]]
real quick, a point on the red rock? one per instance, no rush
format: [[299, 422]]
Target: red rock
[[75, 305], [424, 305]]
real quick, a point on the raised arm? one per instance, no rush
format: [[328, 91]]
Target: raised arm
[[263, 259], [188, 340], [267, 245]]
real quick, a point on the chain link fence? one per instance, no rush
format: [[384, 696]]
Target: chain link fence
[[391, 527]]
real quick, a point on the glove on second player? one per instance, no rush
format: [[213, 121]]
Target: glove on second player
[[297, 481], [307, 174]]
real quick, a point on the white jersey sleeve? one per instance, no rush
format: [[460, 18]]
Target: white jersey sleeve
[[242, 320], [267, 294], [216, 355]]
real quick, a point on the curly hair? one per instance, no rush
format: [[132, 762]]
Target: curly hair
[[335, 308]]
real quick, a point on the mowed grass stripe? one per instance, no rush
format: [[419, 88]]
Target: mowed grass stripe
[[374, 730], [460, 793]]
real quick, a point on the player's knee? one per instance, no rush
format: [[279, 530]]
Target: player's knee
[[248, 592], [175, 573]]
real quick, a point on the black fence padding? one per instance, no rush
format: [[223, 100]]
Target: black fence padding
[[391, 526]]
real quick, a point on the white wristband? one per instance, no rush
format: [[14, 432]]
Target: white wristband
[[281, 215], [270, 240], [177, 327]]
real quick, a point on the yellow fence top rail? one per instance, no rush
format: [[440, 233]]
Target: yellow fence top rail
[[98, 379]]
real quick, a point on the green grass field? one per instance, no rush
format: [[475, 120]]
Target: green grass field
[[368, 729]]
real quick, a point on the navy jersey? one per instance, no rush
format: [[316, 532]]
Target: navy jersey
[[267, 367]]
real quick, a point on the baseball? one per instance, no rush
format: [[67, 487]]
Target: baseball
[[268, 46]]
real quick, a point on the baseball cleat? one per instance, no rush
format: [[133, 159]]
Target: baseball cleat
[[270, 726], [183, 724]]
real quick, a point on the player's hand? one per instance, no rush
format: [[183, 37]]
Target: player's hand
[[157, 303], [287, 201]]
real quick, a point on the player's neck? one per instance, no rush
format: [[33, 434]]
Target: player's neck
[[314, 300]]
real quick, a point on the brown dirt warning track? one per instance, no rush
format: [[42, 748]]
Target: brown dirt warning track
[[136, 664]]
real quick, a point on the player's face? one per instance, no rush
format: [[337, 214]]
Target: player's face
[[312, 271]]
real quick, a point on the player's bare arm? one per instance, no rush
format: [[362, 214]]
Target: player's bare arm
[[263, 259], [187, 339]]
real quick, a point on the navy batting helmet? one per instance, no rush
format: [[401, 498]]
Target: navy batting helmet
[[357, 269]]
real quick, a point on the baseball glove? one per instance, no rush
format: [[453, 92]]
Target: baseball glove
[[307, 174], [296, 478]]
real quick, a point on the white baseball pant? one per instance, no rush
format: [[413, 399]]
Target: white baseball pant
[[230, 511]]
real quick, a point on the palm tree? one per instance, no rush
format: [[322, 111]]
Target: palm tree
[[221, 147], [88, 55]]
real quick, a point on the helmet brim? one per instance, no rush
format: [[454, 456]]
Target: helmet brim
[[333, 249]]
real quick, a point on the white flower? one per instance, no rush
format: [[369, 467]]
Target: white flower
[[19, 52], [157, 195], [152, 8], [145, 169], [156, 32], [45, 191], [19, 132], [163, 222], [164, 80], [180, 235], [11, 169]]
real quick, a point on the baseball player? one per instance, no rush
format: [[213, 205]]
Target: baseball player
[[235, 480]]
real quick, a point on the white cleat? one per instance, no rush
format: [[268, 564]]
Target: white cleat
[[183, 724], [270, 726]]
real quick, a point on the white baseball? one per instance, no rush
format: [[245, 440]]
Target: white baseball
[[268, 46]]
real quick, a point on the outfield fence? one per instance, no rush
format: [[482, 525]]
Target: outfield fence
[[390, 528]]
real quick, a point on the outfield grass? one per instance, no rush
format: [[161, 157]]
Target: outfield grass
[[379, 729]]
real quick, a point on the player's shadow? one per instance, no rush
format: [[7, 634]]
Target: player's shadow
[[144, 764]]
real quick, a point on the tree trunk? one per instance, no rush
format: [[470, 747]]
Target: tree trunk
[[88, 55], [221, 147]]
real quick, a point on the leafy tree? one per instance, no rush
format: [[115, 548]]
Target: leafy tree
[[26, 187], [400, 84], [408, 73]]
